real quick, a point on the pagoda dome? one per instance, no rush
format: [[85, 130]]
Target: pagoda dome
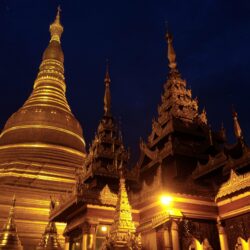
[[44, 130]]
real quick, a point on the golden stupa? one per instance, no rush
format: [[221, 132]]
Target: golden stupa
[[9, 239], [41, 145]]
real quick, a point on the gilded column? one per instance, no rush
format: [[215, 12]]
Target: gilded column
[[88, 237], [222, 236], [66, 246], [175, 236], [167, 238]]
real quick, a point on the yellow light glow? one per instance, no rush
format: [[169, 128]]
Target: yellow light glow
[[166, 200], [104, 229]]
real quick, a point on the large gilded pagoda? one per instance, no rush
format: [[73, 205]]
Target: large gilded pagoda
[[41, 145]]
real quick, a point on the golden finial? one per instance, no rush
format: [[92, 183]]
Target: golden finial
[[56, 29], [237, 128], [107, 95], [171, 53], [203, 116]]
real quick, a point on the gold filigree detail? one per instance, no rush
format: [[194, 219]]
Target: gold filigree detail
[[107, 197], [234, 184]]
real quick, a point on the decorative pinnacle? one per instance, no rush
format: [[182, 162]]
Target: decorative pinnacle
[[171, 53], [13, 205], [107, 95], [56, 29], [237, 128]]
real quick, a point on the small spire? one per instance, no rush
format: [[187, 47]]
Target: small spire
[[107, 95], [56, 29], [171, 53], [49, 238], [9, 238], [237, 128]]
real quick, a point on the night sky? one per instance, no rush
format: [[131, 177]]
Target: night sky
[[211, 39]]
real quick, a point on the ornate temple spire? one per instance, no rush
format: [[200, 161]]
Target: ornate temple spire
[[122, 233], [49, 87], [9, 239], [176, 101], [107, 147], [237, 128], [107, 95], [49, 240]]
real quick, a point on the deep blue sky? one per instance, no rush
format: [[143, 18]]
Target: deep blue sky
[[211, 39]]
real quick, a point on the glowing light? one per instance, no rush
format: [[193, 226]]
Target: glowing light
[[104, 229], [166, 200]]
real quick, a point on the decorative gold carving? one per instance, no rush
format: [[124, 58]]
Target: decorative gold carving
[[234, 184], [203, 117], [107, 197], [122, 233]]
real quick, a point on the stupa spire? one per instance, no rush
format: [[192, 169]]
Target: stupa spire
[[237, 128], [49, 240], [9, 239], [56, 29], [123, 231], [107, 95]]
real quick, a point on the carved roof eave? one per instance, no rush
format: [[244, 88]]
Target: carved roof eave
[[212, 164], [237, 163], [234, 184], [60, 212]]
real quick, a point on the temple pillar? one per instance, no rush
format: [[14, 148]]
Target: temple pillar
[[222, 237], [167, 238], [88, 236], [66, 245], [175, 236]]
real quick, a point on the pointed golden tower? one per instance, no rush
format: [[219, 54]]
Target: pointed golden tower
[[237, 128], [41, 144], [123, 231], [49, 239], [9, 239]]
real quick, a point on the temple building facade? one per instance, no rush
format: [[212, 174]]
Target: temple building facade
[[189, 189]]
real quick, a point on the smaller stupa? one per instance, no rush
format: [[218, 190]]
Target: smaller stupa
[[9, 239], [123, 234], [49, 239]]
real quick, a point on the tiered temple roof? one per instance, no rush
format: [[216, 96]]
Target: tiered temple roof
[[107, 150]]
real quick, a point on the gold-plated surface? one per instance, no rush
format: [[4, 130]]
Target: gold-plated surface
[[123, 231], [235, 183], [9, 239], [41, 145]]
